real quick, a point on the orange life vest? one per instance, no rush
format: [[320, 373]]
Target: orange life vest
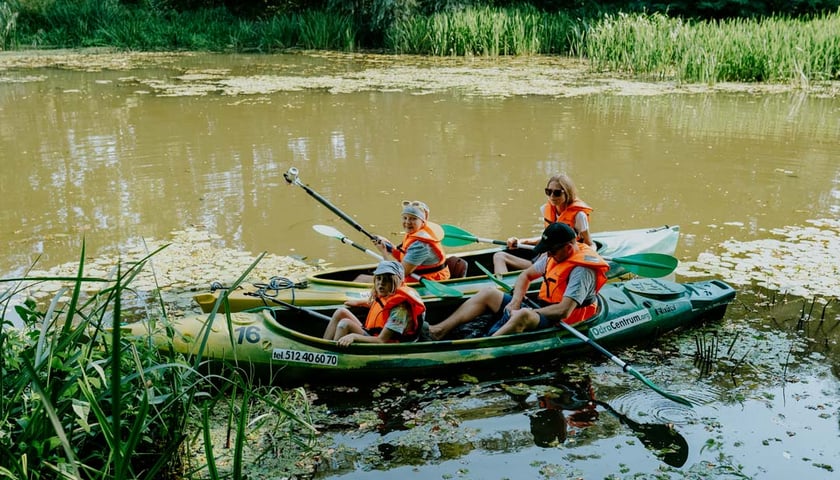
[[427, 234], [567, 216], [556, 280], [381, 308]]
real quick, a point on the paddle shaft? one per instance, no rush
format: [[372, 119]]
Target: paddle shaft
[[291, 177], [353, 244], [651, 264], [624, 366], [373, 254], [464, 236], [331, 232], [298, 308]]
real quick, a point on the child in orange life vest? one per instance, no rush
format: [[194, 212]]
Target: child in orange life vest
[[573, 273], [420, 252], [563, 205], [395, 315]]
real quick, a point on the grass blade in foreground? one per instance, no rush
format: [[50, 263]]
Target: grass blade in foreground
[[624, 366]]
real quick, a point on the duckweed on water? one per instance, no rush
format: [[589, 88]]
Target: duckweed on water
[[192, 258], [489, 77], [803, 262]]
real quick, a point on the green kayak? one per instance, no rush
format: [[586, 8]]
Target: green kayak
[[335, 286], [285, 341]]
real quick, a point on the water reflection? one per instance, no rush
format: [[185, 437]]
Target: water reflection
[[106, 155], [561, 411], [110, 158]]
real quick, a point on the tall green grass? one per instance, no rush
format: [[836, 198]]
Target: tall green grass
[[767, 50], [482, 31], [79, 399], [97, 23], [651, 46], [8, 23]]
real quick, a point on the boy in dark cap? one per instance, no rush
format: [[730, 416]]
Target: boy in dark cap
[[572, 275]]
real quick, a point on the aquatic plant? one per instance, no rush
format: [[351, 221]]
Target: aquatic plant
[[744, 50], [78, 399], [482, 31], [8, 22]]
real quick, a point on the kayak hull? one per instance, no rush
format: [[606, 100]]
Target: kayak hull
[[336, 286], [285, 343]]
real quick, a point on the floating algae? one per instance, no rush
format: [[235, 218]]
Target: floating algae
[[189, 261], [802, 262]]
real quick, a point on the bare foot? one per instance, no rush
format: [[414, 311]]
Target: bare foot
[[436, 332]]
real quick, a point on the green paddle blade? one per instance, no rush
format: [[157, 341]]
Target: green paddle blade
[[441, 290], [670, 396], [456, 237], [627, 368], [651, 265]]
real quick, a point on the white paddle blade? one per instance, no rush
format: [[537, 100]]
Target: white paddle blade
[[328, 231]]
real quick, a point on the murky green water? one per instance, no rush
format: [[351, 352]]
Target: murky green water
[[122, 154]]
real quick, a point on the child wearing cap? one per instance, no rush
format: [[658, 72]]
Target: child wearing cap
[[563, 205], [572, 272], [396, 311]]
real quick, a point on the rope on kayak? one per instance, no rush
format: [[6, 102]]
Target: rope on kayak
[[270, 290]]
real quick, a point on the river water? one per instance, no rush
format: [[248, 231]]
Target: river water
[[114, 151]]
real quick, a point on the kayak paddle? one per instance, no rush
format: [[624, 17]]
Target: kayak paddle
[[291, 177], [458, 237], [662, 439], [433, 287], [624, 366], [298, 308], [652, 265]]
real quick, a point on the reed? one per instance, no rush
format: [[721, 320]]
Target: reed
[[322, 31], [481, 31], [648, 46], [80, 399], [768, 50], [8, 22]]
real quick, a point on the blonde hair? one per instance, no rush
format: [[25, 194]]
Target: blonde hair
[[566, 184], [393, 279]]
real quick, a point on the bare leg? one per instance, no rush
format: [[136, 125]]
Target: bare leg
[[503, 261], [348, 325], [337, 317], [488, 298]]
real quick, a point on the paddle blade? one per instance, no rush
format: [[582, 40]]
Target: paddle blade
[[328, 231], [456, 237], [655, 388], [652, 265], [498, 281], [441, 290], [591, 342]]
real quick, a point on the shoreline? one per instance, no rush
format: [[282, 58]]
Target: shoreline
[[550, 76]]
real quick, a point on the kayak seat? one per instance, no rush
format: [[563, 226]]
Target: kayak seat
[[457, 267]]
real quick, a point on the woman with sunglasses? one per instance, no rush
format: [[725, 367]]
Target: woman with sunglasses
[[396, 312], [564, 206]]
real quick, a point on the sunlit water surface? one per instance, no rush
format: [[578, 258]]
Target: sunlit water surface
[[121, 158]]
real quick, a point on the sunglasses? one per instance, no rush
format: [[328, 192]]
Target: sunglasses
[[555, 192]]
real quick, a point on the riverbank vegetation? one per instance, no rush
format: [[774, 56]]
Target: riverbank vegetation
[[81, 400], [792, 42]]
